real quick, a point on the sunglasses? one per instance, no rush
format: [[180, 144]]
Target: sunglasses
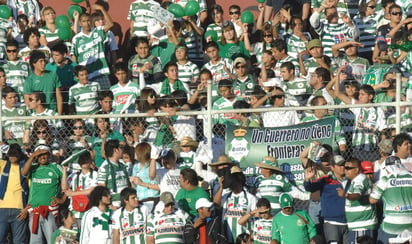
[[240, 66], [396, 13], [77, 127], [41, 132], [279, 96], [11, 50], [372, 6], [151, 96], [349, 168], [267, 35], [236, 12], [265, 212], [391, 80]]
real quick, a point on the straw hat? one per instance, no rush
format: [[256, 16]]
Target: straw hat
[[269, 163], [187, 141], [223, 159]]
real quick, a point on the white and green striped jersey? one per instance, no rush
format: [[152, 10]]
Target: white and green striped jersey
[[272, 188], [16, 127], [341, 8], [234, 207], [296, 91], [16, 73], [359, 65], [216, 28], [367, 30], [89, 51], [167, 228], [287, 59], [55, 123], [218, 72], [140, 13], [30, 8], [310, 65], [396, 192], [5, 25], [331, 34], [368, 122], [262, 231], [125, 97], [360, 214], [85, 97], [48, 34], [406, 6], [131, 225], [297, 45], [188, 72], [105, 175]]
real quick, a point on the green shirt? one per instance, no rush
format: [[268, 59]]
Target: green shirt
[[292, 229], [45, 183], [231, 50], [97, 145], [114, 176], [187, 199], [47, 83]]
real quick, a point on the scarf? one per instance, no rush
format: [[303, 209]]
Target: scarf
[[5, 179], [165, 90]]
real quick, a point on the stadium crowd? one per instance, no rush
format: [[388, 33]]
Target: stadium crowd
[[154, 179]]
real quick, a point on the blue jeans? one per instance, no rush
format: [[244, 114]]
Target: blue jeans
[[9, 221], [45, 229], [383, 237]]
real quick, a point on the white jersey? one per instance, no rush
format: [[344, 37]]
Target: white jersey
[[131, 225], [168, 180], [96, 228]]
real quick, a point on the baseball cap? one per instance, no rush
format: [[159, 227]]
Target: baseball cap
[[239, 60], [167, 197], [385, 146], [285, 201], [203, 203], [367, 167], [338, 160], [314, 43]]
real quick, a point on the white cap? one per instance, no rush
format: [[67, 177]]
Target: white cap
[[45, 147], [203, 203]]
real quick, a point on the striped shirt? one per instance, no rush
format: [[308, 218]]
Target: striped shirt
[[124, 97], [396, 191], [262, 231], [188, 72], [217, 28], [167, 228], [368, 121], [131, 225], [16, 73], [234, 207], [79, 181], [48, 34], [331, 34], [140, 13], [360, 214], [367, 30], [194, 45], [89, 51], [85, 97], [272, 188]]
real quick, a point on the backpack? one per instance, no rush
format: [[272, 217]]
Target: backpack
[[80, 203]]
